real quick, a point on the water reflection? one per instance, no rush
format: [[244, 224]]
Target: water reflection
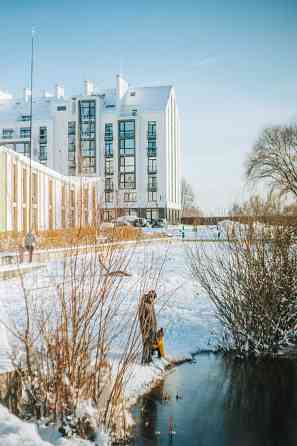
[[225, 402]]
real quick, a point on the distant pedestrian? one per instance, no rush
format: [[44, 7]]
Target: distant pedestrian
[[183, 232], [21, 254], [30, 244]]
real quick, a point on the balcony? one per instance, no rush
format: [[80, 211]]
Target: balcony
[[152, 153], [152, 188], [108, 172]]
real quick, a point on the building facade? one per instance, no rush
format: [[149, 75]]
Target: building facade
[[128, 136], [57, 201]]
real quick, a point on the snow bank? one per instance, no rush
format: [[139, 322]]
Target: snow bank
[[15, 432], [187, 315]]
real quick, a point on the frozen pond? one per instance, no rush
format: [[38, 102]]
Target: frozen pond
[[224, 403]]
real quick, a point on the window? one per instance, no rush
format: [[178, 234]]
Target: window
[[130, 196], [7, 133], [25, 228], [87, 110], [14, 183], [63, 206], [88, 148], [152, 149], [108, 197], [108, 149], [108, 140], [152, 130], [72, 198], [71, 147], [127, 163], [108, 166], [152, 139], [152, 214], [61, 108], [127, 129], [34, 188], [86, 198], [25, 132], [152, 196], [152, 183], [50, 205], [24, 181], [108, 133], [87, 134], [43, 145], [108, 215], [25, 118], [152, 165], [127, 181], [108, 184]]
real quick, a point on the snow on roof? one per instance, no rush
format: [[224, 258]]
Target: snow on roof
[[12, 110], [147, 98], [5, 96]]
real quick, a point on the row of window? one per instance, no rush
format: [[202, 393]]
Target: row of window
[[71, 147], [43, 147], [127, 160], [24, 132], [152, 160], [87, 134], [130, 197]]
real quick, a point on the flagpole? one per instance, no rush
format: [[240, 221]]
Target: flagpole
[[31, 130]]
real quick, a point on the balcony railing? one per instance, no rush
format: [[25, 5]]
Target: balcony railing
[[152, 188], [152, 153], [152, 170]]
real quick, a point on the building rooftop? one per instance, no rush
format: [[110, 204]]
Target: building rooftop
[[121, 98]]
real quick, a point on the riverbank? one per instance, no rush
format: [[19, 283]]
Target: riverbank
[[185, 313], [221, 401]]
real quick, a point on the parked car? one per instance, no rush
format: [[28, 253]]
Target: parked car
[[159, 223], [140, 222]]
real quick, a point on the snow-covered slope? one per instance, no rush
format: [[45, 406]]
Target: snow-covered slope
[[15, 432]]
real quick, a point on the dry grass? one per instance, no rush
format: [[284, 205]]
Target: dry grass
[[71, 236]]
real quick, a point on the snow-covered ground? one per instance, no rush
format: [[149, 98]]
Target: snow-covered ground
[[187, 315], [15, 432]]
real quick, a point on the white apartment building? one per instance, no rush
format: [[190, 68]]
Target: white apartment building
[[128, 136]]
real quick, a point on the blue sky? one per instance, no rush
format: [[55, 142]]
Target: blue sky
[[233, 64]]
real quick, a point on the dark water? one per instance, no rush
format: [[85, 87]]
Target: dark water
[[224, 403]]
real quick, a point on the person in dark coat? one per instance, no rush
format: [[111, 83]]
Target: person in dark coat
[[29, 244], [148, 324]]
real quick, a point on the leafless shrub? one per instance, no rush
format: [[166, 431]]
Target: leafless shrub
[[252, 283], [68, 332]]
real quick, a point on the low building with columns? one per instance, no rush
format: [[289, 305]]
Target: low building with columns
[[57, 201]]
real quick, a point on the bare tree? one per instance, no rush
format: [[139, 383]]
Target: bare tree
[[273, 158], [188, 205], [257, 206]]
